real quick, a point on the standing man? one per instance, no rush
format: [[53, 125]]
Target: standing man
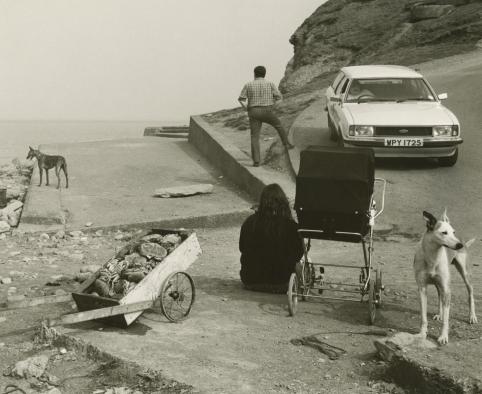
[[261, 96]]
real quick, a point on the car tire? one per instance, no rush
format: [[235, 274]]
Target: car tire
[[450, 160], [332, 129]]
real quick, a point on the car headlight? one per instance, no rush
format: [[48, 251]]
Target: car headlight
[[445, 131], [360, 131]]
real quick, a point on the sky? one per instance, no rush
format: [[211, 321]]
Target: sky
[[138, 59]]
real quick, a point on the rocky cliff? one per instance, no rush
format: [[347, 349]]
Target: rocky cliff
[[347, 32]]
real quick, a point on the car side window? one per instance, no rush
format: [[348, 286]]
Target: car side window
[[344, 86], [341, 84], [337, 80]]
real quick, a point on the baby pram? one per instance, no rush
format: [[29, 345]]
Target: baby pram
[[334, 201]]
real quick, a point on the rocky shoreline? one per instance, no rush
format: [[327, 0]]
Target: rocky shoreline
[[14, 181]]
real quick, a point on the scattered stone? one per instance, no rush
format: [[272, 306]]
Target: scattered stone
[[77, 256], [6, 281], [15, 298], [59, 277], [44, 237], [60, 234], [60, 292], [53, 390], [2, 319], [184, 191], [82, 276], [31, 367], [62, 350], [90, 268], [2, 236], [14, 253], [76, 234], [99, 233], [119, 237], [4, 226], [88, 224]]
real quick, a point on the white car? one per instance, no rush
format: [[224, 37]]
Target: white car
[[393, 110]]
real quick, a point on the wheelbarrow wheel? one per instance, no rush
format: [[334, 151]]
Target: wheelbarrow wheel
[[177, 296], [371, 301], [378, 287], [293, 294]]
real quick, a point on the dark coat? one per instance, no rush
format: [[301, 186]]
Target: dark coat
[[269, 257]]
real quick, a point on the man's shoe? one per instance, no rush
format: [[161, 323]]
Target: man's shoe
[[289, 146]]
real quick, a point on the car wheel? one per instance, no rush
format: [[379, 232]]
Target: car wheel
[[450, 160], [332, 129]]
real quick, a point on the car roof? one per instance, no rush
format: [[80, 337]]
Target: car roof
[[380, 71]]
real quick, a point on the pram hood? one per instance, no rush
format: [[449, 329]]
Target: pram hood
[[335, 180]]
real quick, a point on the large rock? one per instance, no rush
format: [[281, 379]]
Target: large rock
[[12, 207], [184, 191], [430, 11], [350, 32], [402, 341], [13, 218]]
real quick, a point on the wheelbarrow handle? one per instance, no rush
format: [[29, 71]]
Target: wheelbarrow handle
[[79, 317]]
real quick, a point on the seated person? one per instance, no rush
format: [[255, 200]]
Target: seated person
[[270, 244], [357, 90]]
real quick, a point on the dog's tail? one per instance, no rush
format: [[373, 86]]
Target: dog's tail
[[469, 242]]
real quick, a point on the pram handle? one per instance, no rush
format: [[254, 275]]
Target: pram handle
[[384, 182]]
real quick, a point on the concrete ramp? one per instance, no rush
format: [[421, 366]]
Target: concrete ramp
[[112, 183]]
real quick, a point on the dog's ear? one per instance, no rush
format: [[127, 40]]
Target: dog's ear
[[430, 219], [444, 217], [29, 147]]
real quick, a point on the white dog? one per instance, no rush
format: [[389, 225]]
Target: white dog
[[438, 249]]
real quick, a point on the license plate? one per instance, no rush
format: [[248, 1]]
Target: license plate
[[404, 142]]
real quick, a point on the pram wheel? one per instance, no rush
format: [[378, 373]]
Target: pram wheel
[[371, 301], [378, 287], [293, 294]]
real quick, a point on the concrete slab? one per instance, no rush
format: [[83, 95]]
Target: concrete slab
[[112, 183]]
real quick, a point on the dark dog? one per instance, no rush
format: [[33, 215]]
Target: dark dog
[[46, 162]]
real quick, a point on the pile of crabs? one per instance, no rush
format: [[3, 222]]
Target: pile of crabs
[[122, 273]]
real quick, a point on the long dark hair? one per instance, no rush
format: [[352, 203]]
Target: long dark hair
[[273, 209]]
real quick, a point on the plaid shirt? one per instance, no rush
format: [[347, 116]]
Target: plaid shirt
[[260, 93]]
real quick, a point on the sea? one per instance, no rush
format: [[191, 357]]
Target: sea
[[17, 136]]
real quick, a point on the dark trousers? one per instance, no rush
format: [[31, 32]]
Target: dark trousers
[[258, 116]]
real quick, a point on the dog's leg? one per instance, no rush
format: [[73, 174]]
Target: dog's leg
[[64, 167], [57, 173], [438, 317], [47, 176], [460, 264], [443, 339], [423, 311]]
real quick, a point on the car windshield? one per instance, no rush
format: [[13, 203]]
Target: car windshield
[[388, 89]]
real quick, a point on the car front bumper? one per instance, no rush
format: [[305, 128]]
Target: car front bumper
[[430, 148]]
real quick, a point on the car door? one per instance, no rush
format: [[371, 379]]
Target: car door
[[336, 110], [330, 91]]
